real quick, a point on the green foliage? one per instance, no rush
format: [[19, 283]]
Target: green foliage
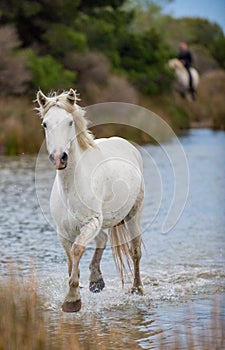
[[90, 5], [12, 9], [179, 117], [104, 28], [201, 31], [144, 59], [34, 18], [49, 74], [217, 49], [141, 57], [99, 34], [61, 39]]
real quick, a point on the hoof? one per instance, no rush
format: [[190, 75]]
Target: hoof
[[96, 287], [137, 290], [71, 306]]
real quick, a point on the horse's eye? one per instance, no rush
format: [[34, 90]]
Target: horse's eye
[[44, 125], [71, 123]]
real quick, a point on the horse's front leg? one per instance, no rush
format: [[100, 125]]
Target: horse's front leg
[[96, 280], [88, 232], [72, 302]]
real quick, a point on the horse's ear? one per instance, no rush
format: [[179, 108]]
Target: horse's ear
[[41, 98], [71, 97]]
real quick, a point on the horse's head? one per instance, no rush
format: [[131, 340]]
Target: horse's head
[[58, 122]]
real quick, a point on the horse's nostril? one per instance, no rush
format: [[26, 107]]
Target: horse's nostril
[[51, 157], [64, 157]]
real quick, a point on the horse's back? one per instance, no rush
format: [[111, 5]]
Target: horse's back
[[119, 147], [195, 76], [119, 158]]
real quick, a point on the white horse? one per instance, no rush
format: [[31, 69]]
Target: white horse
[[182, 84], [98, 185]]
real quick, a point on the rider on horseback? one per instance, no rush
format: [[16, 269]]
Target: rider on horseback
[[185, 57]]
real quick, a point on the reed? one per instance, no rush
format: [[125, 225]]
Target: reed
[[21, 130], [25, 324]]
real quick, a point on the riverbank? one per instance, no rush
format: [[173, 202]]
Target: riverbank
[[21, 130]]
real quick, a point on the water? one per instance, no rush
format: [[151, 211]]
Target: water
[[183, 271]]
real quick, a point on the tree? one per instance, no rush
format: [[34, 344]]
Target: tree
[[48, 74], [33, 18], [217, 49], [61, 39], [89, 6], [143, 58]]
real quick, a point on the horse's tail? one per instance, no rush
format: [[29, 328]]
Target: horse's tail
[[119, 238]]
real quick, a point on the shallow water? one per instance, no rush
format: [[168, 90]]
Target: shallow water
[[183, 271]]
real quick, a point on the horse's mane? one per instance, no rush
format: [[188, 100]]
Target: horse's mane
[[175, 63], [84, 136]]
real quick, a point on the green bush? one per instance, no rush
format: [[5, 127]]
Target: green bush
[[62, 39], [180, 118], [143, 58], [217, 49], [48, 74]]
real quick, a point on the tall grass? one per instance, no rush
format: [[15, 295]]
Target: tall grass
[[26, 325], [21, 130]]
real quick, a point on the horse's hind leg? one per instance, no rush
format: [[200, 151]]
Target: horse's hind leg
[[133, 221], [96, 280], [136, 257]]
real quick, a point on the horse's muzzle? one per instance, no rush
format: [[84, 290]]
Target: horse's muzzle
[[59, 160]]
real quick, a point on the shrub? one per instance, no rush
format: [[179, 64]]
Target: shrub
[[48, 74], [203, 60], [143, 60], [14, 73], [62, 39], [96, 82], [179, 117], [89, 66]]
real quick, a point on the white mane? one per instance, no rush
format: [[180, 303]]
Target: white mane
[[175, 63]]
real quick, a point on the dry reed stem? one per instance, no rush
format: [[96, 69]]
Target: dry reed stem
[[25, 325]]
